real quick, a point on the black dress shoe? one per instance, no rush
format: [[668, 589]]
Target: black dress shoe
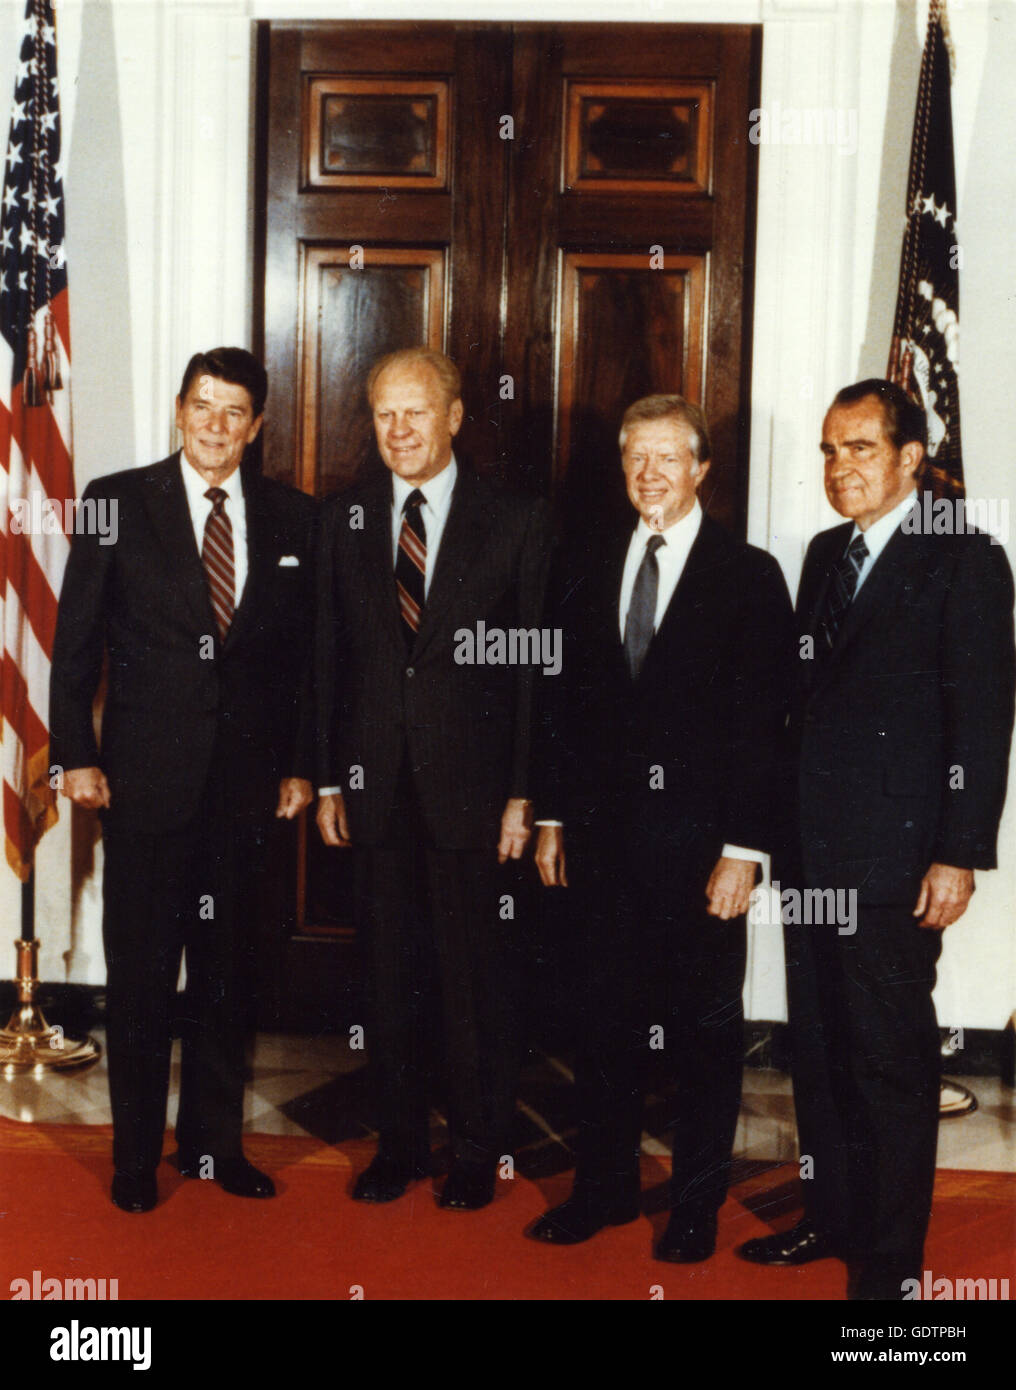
[[234, 1175], [469, 1187], [580, 1217], [798, 1246], [135, 1193], [687, 1240], [387, 1177]]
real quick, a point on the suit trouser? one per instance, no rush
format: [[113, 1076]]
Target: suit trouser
[[442, 975], [866, 1070], [654, 959], [189, 891]]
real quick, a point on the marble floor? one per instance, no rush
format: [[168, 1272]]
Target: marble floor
[[316, 1086]]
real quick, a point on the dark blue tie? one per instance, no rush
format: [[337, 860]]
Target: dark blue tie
[[842, 587]]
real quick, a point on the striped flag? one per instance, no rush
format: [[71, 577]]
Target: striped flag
[[924, 358], [36, 470]]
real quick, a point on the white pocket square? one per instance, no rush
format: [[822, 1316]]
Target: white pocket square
[[289, 560]]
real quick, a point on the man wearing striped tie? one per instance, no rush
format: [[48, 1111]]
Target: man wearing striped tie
[[424, 769], [901, 725], [203, 606]]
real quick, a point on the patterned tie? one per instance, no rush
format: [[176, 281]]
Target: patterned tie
[[217, 558], [411, 565], [840, 594], [638, 625]]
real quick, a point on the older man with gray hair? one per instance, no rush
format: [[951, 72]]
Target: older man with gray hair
[[425, 769], [658, 745]]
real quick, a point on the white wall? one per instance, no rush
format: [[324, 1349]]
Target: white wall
[[156, 107]]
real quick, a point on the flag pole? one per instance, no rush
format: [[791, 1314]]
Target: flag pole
[[36, 444], [29, 1043], [923, 355]]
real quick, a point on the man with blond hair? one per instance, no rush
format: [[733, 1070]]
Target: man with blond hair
[[425, 767]]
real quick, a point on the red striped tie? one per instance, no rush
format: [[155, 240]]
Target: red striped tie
[[217, 558], [411, 564]]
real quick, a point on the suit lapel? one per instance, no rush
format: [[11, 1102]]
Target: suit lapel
[[260, 556], [165, 500], [886, 586], [613, 576], [379, 581], [815, 581], [465, 532], [682, 611], [811, 598]]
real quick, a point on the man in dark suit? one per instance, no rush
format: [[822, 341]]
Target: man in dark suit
[[901, 726], [203, 607], [659, 742], [425, 767]]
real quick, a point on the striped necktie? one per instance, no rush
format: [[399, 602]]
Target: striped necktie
[[217, 558], [411, 565], [842, 587]]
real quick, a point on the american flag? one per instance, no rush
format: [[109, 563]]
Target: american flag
[[35, 432], [924, 358]]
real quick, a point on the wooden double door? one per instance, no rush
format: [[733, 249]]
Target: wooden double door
[[566, 210]]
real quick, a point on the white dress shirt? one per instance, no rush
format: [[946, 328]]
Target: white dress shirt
[[437, 502], [879, 534], [671, 558], [201, 509]]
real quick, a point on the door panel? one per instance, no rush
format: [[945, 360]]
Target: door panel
[[357, 304], [645, 162], [610, 299]]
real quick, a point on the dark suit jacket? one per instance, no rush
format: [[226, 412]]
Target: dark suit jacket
[[144, 600], [708, 708], [466, 727], [916, 694]]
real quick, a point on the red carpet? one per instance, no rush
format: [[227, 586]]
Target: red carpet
[[313, 1242]]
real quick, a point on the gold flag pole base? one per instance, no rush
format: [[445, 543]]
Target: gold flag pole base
[[28, 1043]]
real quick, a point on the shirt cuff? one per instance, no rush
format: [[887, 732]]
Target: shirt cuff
[[755, 856], [329, 791]]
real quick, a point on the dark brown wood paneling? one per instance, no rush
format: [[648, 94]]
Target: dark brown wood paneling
[[357, 304], [374, 132], [658, 315], [630, 137], [601, 252], [670, 171]]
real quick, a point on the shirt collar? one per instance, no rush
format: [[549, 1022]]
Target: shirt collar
[[684, 530], [196, 486], [436, 490], [878, 534]]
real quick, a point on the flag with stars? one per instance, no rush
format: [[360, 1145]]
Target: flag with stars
[[36, 469], [924, 358]]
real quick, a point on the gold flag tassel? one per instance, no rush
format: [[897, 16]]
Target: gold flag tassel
[[30, 393], [51, 380]]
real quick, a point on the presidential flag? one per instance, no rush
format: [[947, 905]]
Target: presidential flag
[[36, 471], [924, 358]]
